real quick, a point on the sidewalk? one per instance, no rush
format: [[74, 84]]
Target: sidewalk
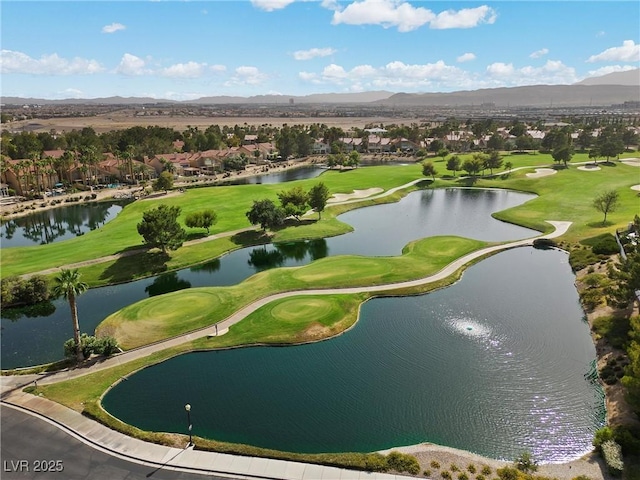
[[168, 458]]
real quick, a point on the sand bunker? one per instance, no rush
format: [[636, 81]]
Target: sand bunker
[[589, 168], [542, 172], [632, 162], [636, 188], [341, 197]]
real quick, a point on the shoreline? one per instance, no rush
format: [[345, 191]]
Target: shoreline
[[8, 211], [590, 464]]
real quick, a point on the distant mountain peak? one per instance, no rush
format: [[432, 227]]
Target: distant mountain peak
[[628, 77]]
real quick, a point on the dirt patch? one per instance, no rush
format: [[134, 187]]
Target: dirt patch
[[542, 172], [341, 197], [589, 168]]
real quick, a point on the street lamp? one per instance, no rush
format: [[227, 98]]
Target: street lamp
[[187, 407]]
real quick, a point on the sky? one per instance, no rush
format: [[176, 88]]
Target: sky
[[183, 50]]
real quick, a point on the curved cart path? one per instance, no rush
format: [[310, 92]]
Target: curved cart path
[[222, 326]]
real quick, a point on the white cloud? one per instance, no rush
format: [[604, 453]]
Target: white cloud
[[553, 72], [271, 5], [500, 69], [71, 93], [609, 69], [406, 17], [132, 66], [465, 18], [539, 53], [114, 27], [21, 63], [184, 70], [313, 53], [217, 69], [246, 75], [466, 57], [628, 52], [392, 75], [387, 13]]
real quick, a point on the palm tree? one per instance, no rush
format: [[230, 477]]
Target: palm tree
[[69, 286]]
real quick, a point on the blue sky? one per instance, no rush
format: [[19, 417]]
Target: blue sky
[[183, 50]]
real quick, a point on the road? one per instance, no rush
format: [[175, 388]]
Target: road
[[30, 443]]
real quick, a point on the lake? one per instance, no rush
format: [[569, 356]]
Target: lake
[[34, 336], [496, 364]]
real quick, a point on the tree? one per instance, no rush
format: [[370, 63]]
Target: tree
[[508, 166], [443, 152], [494, 161], [203, 219], [266, 214], [318, 196], [68, 285], [429, 170], [160, 228], [353, 160], [625, 280], [294, 202], [495, 142], [453, 164], [606, 202], [163, 182], [472, 166], [562, 153]]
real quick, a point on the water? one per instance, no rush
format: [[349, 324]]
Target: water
[[495, 364], [32, 338], [58, 224], [289, 175]]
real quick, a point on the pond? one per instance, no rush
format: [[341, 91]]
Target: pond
[[288, 175], [55, 225], [496, 364], [33, 336]]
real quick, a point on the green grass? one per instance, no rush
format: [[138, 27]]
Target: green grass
[[230, 202], [165, 316]]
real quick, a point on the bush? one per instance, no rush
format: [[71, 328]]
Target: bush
[[471, 468], [606, 246], [612, 454], [486, 470], [402, 462], [91, 345], [525, 463], [427, 473], [454, 467], [463, 476], [544, 243], [445, 474], [375, 462], [480, 477], [435, 464], [17, 291]]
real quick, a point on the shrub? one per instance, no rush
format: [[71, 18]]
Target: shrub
[[435, 464], [427, 473], [471, 468], [508, 473], [591, 298], [581, 477], [445, 474], [525, 463], [486, 470], [375, 462], [612, 454], [480, 477], [402, 462], [454, 467], [606, 246], [463, 476], [544, 243], [91, 345], [17, 291]]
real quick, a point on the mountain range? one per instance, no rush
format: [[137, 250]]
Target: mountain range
[[607, 90]]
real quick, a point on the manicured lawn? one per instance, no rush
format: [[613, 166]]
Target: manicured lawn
[[164, 316], [230, 202]]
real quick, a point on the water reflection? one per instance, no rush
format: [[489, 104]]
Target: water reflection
[[58, 224], [166, 283]]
